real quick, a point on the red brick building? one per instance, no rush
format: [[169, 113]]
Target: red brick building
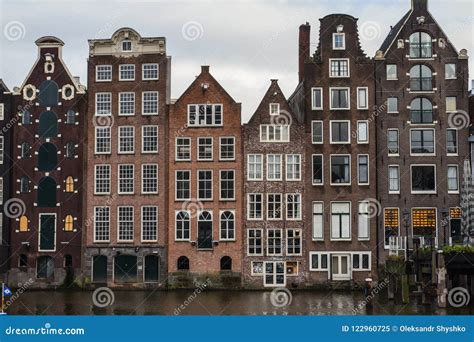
[[126, 227], [274, 179], [205, 185], [47, 178]]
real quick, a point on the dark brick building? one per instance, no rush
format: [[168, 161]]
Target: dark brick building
[[336, 95], [47, 178], [205, 186], [7, 120], [274, 179], [422, 134], [126, 227]]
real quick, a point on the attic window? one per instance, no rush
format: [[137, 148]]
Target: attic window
[[126, 46], [338, 41]]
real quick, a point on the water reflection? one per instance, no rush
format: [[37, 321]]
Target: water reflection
[[183, 302]]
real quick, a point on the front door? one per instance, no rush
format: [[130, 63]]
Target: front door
[[47, 233], [340, 267], [274, 273]]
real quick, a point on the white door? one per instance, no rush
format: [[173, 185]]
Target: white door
[[340, 266], [274, 274]]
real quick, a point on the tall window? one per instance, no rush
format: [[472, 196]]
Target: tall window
[[274, 207], [254, 167], [274, 133], [453, 179], [362, 98], [362, 132], [293, 167], [126, 72], [254, 242], [364, 221], [339, 98], [150, 139], [254, 206], [103, 103], [317, 98], [421, 78], [126, 139], [25, 117], [363, 169], [392, 105], [340, 220], [227, 184], [149, 223], [421, 110], [205, 149], [127, 103], [183, 185], [125, 223], [450, 71], [340, 169], [339, 67], [25, 150], [226, 148], [183, 227], [126, 176], [274, 108], [392, 141], [149, 178], [103, 140], [101, 223], [391, 221], [452, 141], [317, 132], [150, 103], [293, 242], [423, 179], [392, 72], [102, 179], [149, 71], [422, 141], [318, 173], [183, 149], [274, 167], [394, 179], [204, 184], [69, 184], [338, 41], [24, 185], [205, 115], [340, 132], [274, 242], [293, 206], [227, 225], [421, 45], [318, 221]]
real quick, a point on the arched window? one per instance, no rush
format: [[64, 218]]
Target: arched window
[[421, 110], [70, 149], [23, 223], [183, 263], [24, 184], [48, 125], [69, 223], [70, 117], [421, 78], [226, 263], [25, 117], [227, 226], [420, 45], [25, 150], [69, 184], [47, 192], [48, 94], [182, 225], [47, 157]]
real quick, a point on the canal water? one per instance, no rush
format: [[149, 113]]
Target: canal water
[[188, 302]]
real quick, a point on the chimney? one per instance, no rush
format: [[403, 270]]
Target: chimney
[[204, 68], [304, 36], [419, 5]]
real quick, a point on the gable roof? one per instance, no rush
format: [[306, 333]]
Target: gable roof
[[394, 32], [3, 86]]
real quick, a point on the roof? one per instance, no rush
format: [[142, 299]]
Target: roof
[[49, 40], [394, 32], [4, 86]]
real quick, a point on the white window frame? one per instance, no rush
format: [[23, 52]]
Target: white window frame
[[300, 203], [360, 122], [350, 222], [388, 107], [176, 212], [261, 242], [2, 111], [358, 170], [457, 179], [366, 90], [435, 191], [189, 145], [393, 192], [295, 230], [313, 98], [120, 72], [118, 223], [220, 221], [157, 72], [455, 71], [144, 93], [97, 95], [350, 169], [270, 107], [199, 145], [213, 115], [119, 178], [274, 202], [119, 146], [340, 60], [109, 180], [334, 47], [319, 268], [220, 185], [456, 131], [142, 223], [261, 204], [268, 168], [361, 268], [108, 66], [367, 220], [434, 142], [197, 185], [176, 186], [313, 228], [266, 128], [127, 93], [95, 223], [312, 169], [383, 224], [252, 273], [143, 182], [396, 72], [260, 165], [220, 148], [348, 141], [398, 142], [157, 140], [315, 142], [281, 241], [294, 167]]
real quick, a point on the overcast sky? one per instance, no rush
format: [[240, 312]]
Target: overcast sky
[[246, 43]]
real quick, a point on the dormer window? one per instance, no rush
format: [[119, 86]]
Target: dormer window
[[338, 41], [126, 46]]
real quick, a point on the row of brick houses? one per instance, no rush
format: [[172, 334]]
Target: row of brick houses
[[119, 184]]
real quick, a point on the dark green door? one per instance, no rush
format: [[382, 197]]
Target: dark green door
[[47, 232], [125, 269], [205, 235], [99, 269], [151, 268]]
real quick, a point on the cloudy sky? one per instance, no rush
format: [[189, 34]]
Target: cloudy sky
[[246, 43]]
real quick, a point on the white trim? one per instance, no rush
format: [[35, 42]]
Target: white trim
[[120, 73], [110, 102], [393, 192], [157, 72], [301, 241], [281, 206], [313, 106], [212, 149], [299, 164], [392, 112], [312, 132], [118, 179], [176, 149], [109, 179], [300, 202], [457, 142], [120, 100], [340, 60], [197, 124], [157, 178], [434, 142], [331, 238], [343, 40], [350, 169], [366, 98], [281, 167], [261, 167], [141, 223], [157, 140], [398, 143], [267, 135], [176, 186], [362, 142], [348, 98], [157, 103], [248, 206], [220, 183], [118, 140], [176, 212], [348, 132], [97, 72], [39, 232], [319, 269], [367, 214], [270, 108], [94, 232], [212, 185], [358, 170], [262, 241], [457, 179], [220, 221], [118, 223], [268, 241], [423, 192], [383, 224], [257, 274], [233, 146], [313, 238]]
